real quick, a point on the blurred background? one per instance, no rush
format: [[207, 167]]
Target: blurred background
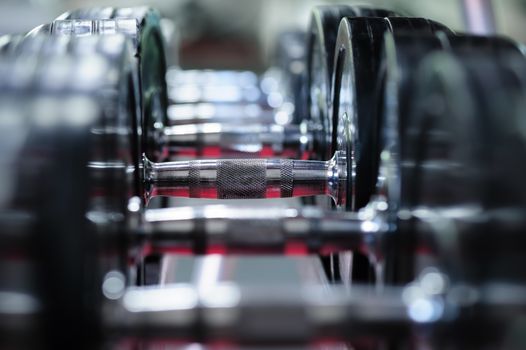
[[241, 34]]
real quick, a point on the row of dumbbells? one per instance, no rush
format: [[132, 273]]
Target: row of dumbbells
[[413, 129]]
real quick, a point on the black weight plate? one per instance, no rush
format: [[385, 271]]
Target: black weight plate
[[493, 250], [451, 174], [505, 193], [461, 146], [356, 97], [358, 60], [321, 39], [67, 158], [323, 29], [403, 54]]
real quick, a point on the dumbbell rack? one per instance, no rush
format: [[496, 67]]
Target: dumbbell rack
[[386, 143]]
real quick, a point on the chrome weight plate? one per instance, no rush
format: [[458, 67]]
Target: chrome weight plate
[[142, 26], [67, 154]]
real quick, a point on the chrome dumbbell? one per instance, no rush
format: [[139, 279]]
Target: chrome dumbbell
[[248, 178]]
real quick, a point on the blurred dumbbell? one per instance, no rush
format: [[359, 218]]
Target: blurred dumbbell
[[62, 119], [284, 82], [225, 113], [479, 244], [230, 114], [451, 177], [467, 120], [214, 86], [275, 90], [142, 26], [241, 112]]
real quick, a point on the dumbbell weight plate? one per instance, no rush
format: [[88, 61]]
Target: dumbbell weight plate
[[120, 98], [142, 25], [466, 129], [356, 78], [357, 69], [403, 54], [67, 163], [321, 40], [483, 111]]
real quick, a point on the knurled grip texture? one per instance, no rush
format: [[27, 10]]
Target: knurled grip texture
[[238, 179], [286, 178], [194, 180]]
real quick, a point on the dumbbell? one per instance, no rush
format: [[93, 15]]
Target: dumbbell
[[224, 113], [60, 119], [215, 86], [142, 26], [398, 178], [407, 59], [228, 113], [214, 133], [464, 44]]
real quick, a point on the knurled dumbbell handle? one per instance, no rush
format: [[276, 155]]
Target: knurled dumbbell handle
[[246, 178]]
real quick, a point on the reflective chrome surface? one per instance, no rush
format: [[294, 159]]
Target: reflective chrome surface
[[247, 178]]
